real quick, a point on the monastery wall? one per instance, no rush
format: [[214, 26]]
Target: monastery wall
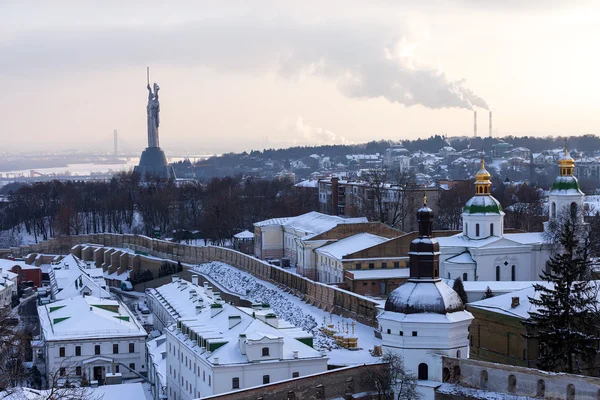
[[149, 253]]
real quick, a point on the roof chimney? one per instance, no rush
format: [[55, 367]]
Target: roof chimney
[[515, 302], [335, 201]]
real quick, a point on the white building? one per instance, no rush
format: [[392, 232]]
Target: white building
[[72, 277], [397, 158], [8, 288], [424, 318], [329, 257], [483, 252], [226, 348], [565, 195], [156, 360], [178, 299], [287, 237], [92, 336]]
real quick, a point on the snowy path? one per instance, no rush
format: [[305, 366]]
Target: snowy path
[[291, 308]]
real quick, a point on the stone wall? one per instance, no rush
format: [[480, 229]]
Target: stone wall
[[150, 251], [517, 381], [334, 384]]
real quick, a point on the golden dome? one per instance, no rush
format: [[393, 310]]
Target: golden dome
[[482, 175], [566, 163]]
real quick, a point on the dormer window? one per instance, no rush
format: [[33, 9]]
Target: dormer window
[[265, 351]]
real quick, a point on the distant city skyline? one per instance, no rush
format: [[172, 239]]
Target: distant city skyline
[[241, 76]]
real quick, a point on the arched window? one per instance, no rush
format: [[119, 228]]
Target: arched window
[[466, 229], [483, 379], [457, 353], [423, 372], [497, 272], [465, 276], [491, 229], [570, 392], [573, 210], [553, 212], [449, 275], [476, 230], [445, 374], [541, 388], [513, 273], [512, 384]]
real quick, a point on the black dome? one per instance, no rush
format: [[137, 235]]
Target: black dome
[[415, 297]]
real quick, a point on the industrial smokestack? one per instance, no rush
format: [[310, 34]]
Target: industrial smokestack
[[490, 124], [116, 149], [474, 123]]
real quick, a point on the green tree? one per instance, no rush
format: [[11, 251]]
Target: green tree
[[562, 322], [459, 288], [488, 293]]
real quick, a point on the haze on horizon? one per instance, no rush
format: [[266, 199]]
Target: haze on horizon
[[245, 75]]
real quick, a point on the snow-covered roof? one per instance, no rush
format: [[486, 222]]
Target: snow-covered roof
[[244, 235], [462, 258], [175, 297], [131, 391], [157, 352], [6, 265], [87, 318], [70, 276], [315, 222], [421, 296], [502, 303], [527, 237], [272, 221], [388, 273], [308, 184], [216, 328], [350, 245]]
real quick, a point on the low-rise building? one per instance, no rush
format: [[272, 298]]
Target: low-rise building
[[156, 360], [8, 288], [92, 336], [225, 348], [72, 277]]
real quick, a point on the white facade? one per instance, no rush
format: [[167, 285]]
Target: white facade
[[88, 335], [227, 348], [329, 257], [424, 338], [72, 277], [156, 359], [8, 288]]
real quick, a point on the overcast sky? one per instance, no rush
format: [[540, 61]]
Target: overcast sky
[[240, 75]]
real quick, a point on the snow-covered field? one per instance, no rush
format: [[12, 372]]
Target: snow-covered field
[[291, 308]]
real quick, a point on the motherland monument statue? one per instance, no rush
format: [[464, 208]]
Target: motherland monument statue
[[153, 161]]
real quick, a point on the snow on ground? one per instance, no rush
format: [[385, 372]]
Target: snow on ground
[[294, 310]]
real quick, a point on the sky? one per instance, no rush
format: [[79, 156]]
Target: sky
[[239, 75]]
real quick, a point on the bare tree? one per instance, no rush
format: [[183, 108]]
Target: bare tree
[[393, 381]]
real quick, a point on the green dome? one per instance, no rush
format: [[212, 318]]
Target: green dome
[[566, 184], [482, 205]]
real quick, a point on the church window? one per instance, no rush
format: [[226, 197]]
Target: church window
[[491, 229], [401, 333], [449, 275], [389, 331], [513, 273], [466, 229], [458, 354], [423, 372], [476, 230], [573, 210], [465, 276], [414, 333], [497, 272]]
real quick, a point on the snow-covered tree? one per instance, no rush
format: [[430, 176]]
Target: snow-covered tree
[[563, 321], [393, 381]]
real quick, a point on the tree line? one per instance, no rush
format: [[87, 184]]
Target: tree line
[[215, 210]]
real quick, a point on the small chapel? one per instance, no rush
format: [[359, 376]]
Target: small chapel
[[483, 252]]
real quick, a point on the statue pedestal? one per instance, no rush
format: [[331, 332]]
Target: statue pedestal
[[153, 162]]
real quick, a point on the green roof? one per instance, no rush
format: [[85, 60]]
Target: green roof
[[485, 204], [565, 183]]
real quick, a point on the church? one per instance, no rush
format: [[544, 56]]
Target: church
[[483, 252]]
